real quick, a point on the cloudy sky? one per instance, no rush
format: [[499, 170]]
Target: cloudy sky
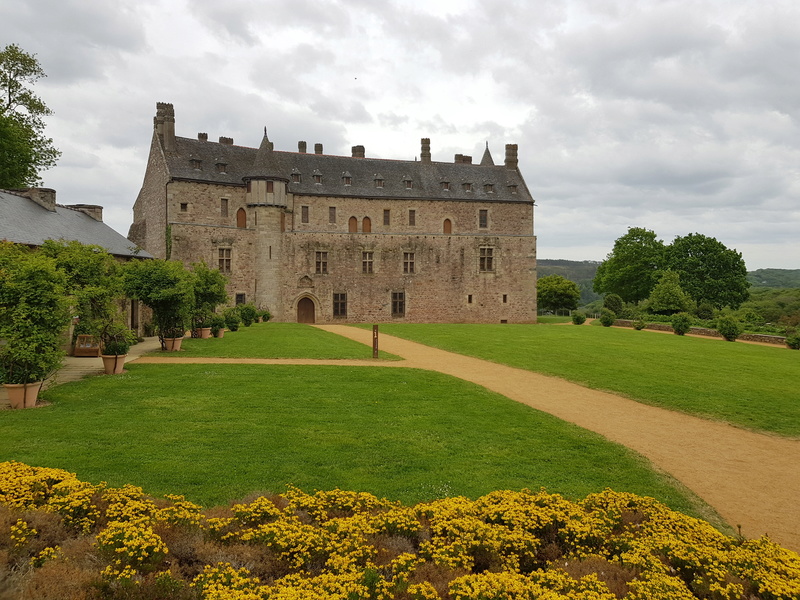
[[679, 116]]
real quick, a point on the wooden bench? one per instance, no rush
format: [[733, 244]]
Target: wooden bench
[[87, 345]]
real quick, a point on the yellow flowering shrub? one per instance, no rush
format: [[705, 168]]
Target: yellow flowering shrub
[[347, 545]]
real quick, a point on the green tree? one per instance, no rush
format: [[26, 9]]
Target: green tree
[[167, 288], [24, 149], [631, 269], [209, 292], [667, 297], [555, 292], [709, 271]]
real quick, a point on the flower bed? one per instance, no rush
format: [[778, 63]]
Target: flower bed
[[81, 538]]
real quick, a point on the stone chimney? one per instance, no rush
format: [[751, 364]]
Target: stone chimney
[[226, 140], [425, 153], [165, 125], [301, 146], [203, 137], [358, 151], [44, 197], [317, 148], [463, 159], [512, 163], [93, 210]]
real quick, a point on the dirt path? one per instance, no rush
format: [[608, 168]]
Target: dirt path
[[751, 479]]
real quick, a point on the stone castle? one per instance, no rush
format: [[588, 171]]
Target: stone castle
[[319, 238]]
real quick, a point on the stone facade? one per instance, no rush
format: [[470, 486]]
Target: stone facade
[[344, 239]]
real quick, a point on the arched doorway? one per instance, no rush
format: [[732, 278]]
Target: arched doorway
[[305, 311], [448, 226], [352, 225], [241, 218], [366, 225]]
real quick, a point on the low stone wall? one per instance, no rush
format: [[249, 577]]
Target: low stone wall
[[748, 337]]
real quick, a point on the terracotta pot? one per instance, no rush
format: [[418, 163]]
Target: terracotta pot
[[113, 363], [220, 333], [173, 344], [205, 333], [23, 395]]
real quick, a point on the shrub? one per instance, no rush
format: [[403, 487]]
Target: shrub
[[613, 302], [729, 328], [793, 340], [607, 317], [705, 311], [681, 323], [639, 324], [232, 319], [265, 315], [248, 313], [217, 323], [578, 318]]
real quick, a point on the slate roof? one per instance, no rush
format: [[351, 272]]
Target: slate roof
[[427, 178], [25, 222]]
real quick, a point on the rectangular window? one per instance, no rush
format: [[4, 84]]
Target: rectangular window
[[223, 208], [240, 299], [386, 216], [398, 304], [331, 214], [505, 298], [304, 214], [446, 186], [366, 262], [295, 177], [488, 188], [224, 260], [408, 262], [322, 262], [486, 259], [184, 207], [270, 187], [483, 218], [469, 298], [412, 217], [340, 305]]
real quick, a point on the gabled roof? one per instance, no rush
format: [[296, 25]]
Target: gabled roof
[[427, 177], [23, 221]]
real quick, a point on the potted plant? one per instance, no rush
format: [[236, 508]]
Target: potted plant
[[217, 325], [168, 289], [116, 341], [232, 319], [34, 316]]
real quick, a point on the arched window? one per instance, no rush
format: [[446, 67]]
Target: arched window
[[241, 218], [366, 225], [352, 225], [448, 226]]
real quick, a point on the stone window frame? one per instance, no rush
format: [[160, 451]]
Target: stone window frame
[[399, 304], [378, 182], [446, 186], [296, 178], [184, 207], [340, 305], [305, 214], [321, 262], [225, 259], [240, 299], [367, 262], [387, 217], [483, 218], [409, 262], [224, 204], [467, 187], [486, 262], [331, 214], [412, 217], [488, 188]]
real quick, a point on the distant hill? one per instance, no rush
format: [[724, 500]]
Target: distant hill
[[774, 278], [580, 271]]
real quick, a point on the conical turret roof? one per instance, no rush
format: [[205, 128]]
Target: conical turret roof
[[487, 161], [265, 164]]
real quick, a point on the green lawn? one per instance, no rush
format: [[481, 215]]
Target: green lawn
[[219, 432], [755, 387], [277, 340], [551, 319]]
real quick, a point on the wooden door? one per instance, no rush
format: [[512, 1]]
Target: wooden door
[[305, 311]]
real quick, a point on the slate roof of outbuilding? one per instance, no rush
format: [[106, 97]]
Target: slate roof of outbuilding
[[23, 221], [427, 178]]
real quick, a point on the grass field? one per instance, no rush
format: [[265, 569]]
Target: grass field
[[219, 432], [755, 387], [278, 340]]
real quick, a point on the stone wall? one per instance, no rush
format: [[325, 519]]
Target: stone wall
[[704, 331]]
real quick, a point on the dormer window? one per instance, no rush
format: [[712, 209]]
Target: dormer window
[[407, 181], [197, 164], [467, 187], [512, 188], [295, 176], [222, 167], [488, 188], [317, 176], [347, 179], [378, 180], [446, 186]]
